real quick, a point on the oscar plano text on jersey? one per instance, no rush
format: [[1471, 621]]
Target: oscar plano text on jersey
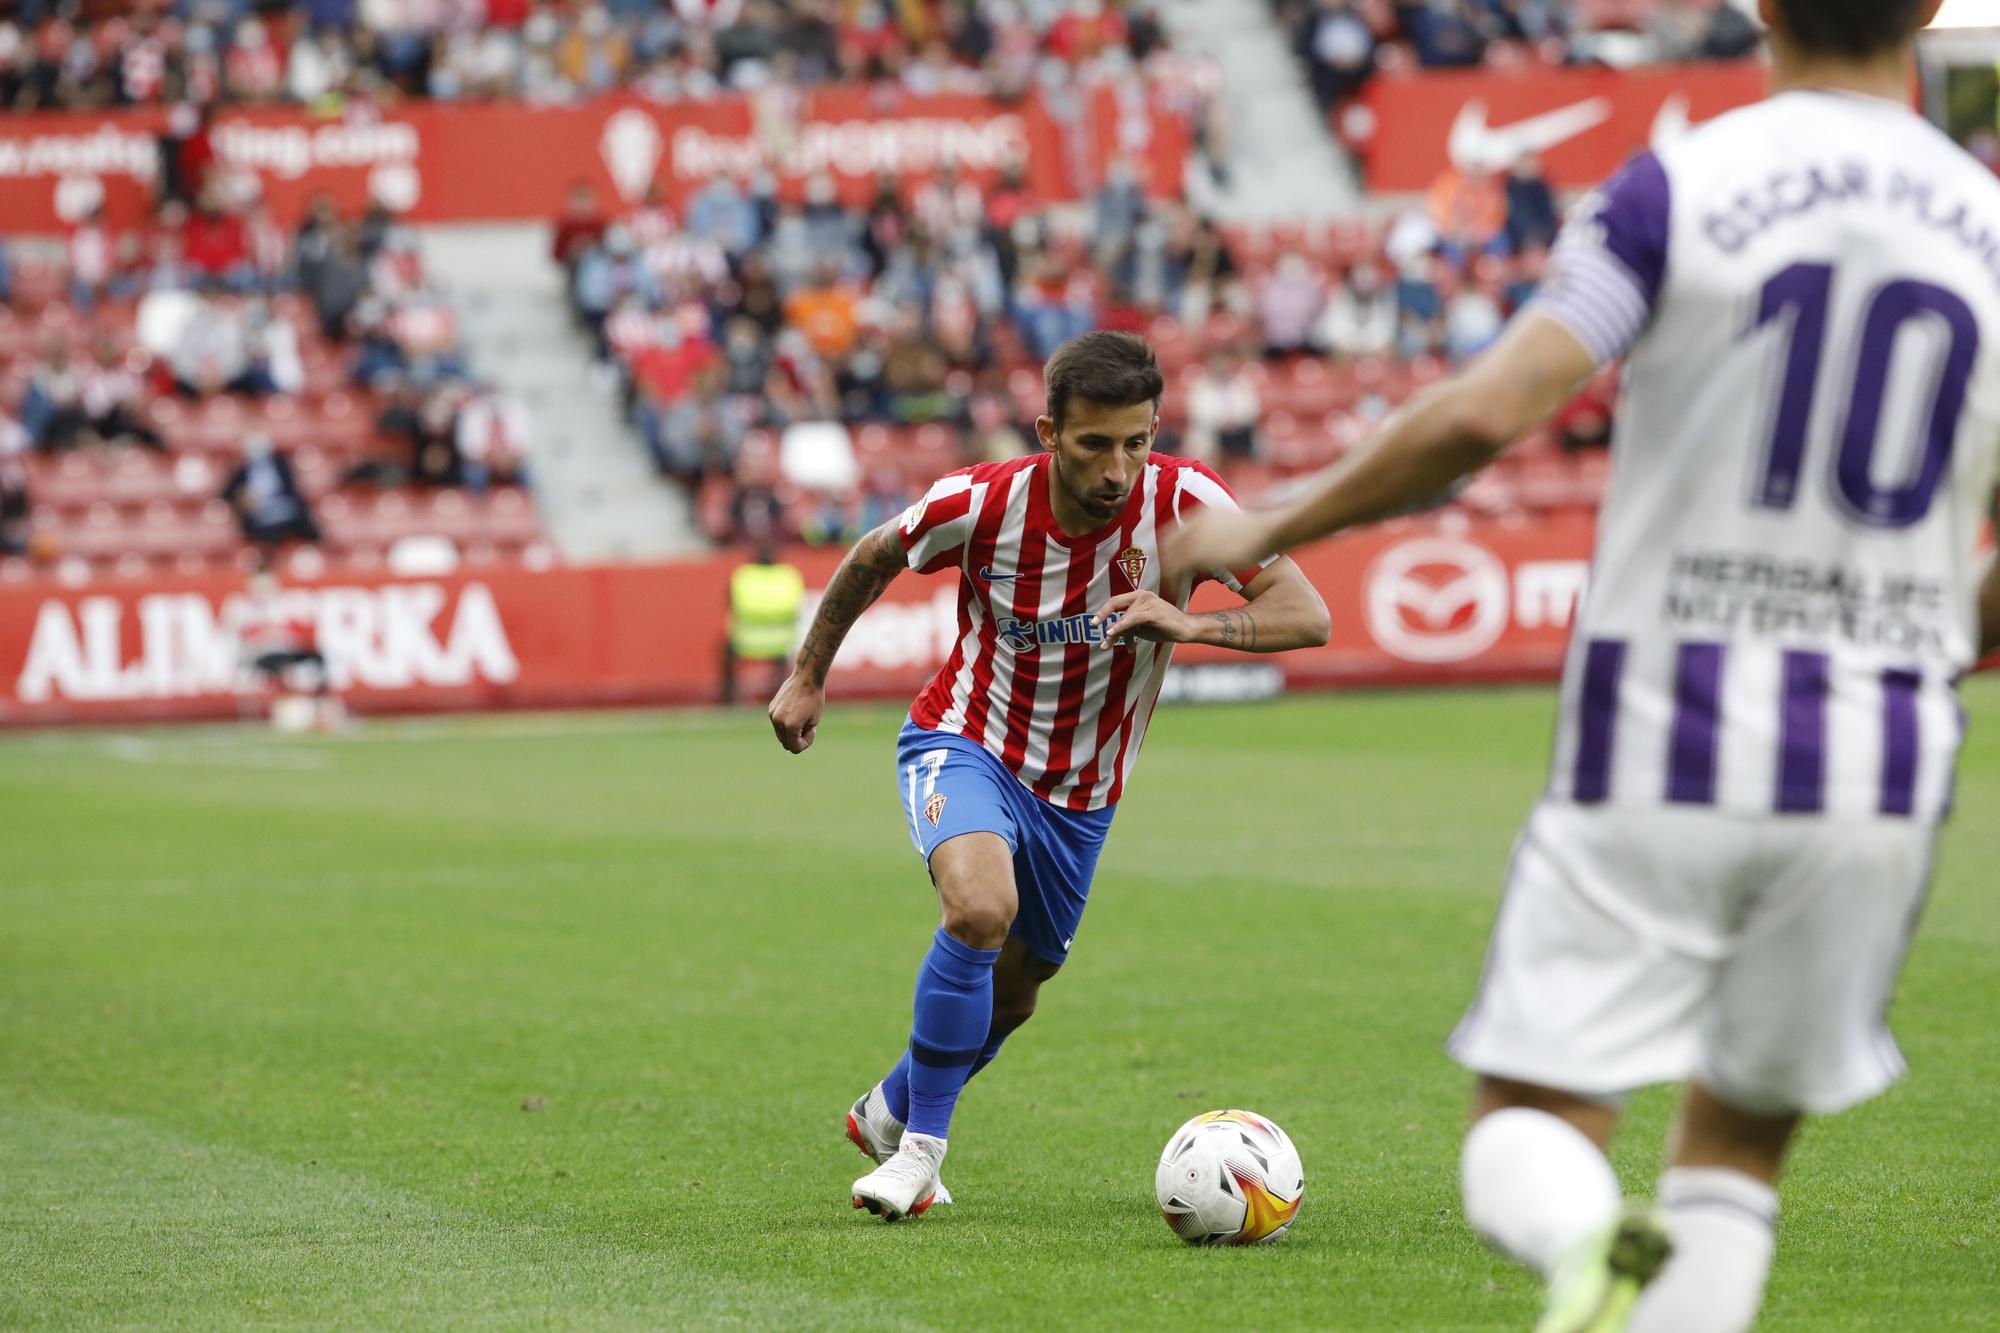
[[1410, 606]]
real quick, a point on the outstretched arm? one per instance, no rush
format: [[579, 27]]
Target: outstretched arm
[[1445, 432], [874, 560], [1281, 610]]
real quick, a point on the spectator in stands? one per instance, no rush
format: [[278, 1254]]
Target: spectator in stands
[[724, 212], [265, 495], [1339, 47], [1116, 211], [337, 282], [91, 252], [578, 230], [829, 229], [913, 370], [187, 152], [827, 311], [1223, 407], [1532, 216], [1525, 278], [270, 250], [994, 437], [52, 403], [1473, 310], [1206, 271], [217, 352], [800, 386], [1420, 305], [399, 429], [1288, 305], [593, 55], [605, 276], [113, 400], [1731, 35], [494, 435], [15, 503], [678, 381], [1360, 316], [274, 347], [1467, 206], [315, 241], [1053, 304], [6, 274], [1445, 33]]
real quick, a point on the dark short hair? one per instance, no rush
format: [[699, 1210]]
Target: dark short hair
[[1115, 369], [1852, 28]]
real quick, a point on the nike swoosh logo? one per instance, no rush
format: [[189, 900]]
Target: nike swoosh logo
[[1476, 144], [1672, 122], [986, 572]]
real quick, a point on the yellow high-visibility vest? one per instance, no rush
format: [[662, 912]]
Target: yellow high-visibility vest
[[764, 610]]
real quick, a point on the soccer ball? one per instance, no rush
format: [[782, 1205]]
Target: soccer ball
[[1229, 1178]]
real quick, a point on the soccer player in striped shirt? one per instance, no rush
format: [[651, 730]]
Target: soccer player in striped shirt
[[1759, 720], [1013, 760]]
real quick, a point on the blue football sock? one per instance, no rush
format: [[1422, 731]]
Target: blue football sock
[[954, 1015], [986, 1055], [896, 1083]]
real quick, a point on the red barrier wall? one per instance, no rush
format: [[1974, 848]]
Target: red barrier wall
[[1409, 606], [442, 162], [1584, 121]]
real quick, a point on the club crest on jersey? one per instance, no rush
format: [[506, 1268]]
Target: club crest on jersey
[[934, 808], [1131, 563]]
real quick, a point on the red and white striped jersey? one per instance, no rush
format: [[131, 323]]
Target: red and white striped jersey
[[1029, 678]]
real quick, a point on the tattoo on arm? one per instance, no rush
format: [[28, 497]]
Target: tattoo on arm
[[875, 559], [1239, 629]]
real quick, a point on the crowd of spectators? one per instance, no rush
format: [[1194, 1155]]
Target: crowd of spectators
[[743, 312], [324, 52], [1344, 43], [215, 300], [743, 315]]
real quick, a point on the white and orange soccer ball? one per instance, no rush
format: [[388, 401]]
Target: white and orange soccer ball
[[1229, 1178]]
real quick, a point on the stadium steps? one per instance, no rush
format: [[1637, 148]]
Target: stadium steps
[[1284, 164], [597, 492]]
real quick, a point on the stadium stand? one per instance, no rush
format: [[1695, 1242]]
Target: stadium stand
[[137, 367], [1345, 43], [803, 367], [907, 337], [324, 53]]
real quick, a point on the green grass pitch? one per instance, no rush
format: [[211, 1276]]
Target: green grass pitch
[[551, 1022]]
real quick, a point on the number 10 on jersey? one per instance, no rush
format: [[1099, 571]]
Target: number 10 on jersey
[[1804, 292]]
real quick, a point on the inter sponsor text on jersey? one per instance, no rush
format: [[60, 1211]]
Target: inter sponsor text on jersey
[[1807, 296], [1030, 677]]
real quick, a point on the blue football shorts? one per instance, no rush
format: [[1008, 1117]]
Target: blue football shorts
[[951, 785]]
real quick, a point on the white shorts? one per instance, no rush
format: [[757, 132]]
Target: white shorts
[[1757, 956]]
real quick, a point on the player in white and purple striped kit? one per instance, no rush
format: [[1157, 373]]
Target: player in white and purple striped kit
[[1759, 720]]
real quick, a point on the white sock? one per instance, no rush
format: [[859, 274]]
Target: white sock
[[1534, 1185], [1722, 1223]]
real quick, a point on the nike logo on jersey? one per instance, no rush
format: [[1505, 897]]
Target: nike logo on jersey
[[1474, 144], [986, 572]]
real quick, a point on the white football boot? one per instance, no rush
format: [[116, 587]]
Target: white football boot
[[907, 1183], [878, 1134]]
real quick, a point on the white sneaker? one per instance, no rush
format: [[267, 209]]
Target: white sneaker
[[907, 1183], [877, 1133]]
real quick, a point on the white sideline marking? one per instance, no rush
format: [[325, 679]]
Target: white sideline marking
[[140, 750]]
